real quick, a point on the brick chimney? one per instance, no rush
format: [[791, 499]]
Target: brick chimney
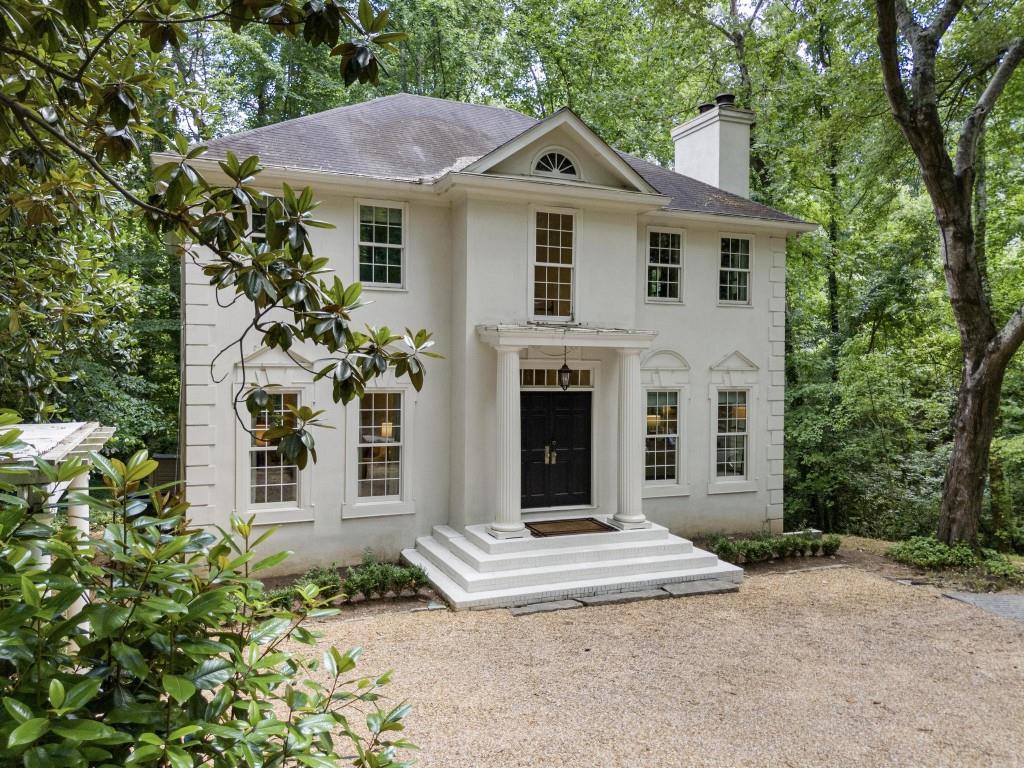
[[714, 147]]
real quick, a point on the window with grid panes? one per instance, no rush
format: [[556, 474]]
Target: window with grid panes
[[381, 245], [731, 434], [272, 479], [661, 455], [664, 265], [553, 265], [379, 470], [734, 273]]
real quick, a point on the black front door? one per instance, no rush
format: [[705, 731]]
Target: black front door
[[555, 448]]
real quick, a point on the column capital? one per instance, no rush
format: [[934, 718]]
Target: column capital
[[508, 348]]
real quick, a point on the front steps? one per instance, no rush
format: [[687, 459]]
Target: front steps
[[472, 569]]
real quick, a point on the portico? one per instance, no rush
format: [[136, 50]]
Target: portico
[[509, 341]]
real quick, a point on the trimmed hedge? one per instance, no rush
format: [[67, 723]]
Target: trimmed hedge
[[758, 549], [929, 553], [371, 578]]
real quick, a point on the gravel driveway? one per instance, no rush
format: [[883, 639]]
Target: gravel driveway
[[832, 667]]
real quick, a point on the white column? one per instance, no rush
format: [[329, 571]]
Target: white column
[[630, 513], [508, 523], [78, 516]]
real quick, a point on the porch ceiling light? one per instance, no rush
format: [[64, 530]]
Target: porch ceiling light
[[565, 372]]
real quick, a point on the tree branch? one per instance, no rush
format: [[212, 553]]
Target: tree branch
[[944, 18], [888, 46], [967, 147]]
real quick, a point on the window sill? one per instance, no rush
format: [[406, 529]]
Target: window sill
[[389, 508], [666, 302], [280, 515], [732, 486], [736, 304], [666, 490], [385, 287]]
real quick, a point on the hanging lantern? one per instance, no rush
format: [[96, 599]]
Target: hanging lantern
[[565, 372], [564, 376]]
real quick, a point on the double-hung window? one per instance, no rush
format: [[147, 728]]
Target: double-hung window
[[381, 245], [661, 454], [732, 435], [734, 272], [379, 470], [272, 478], [664, 265], [553, 262]]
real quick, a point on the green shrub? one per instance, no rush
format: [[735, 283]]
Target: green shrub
[[800, 545], [780, 547], [929, 552], [327, 580], [814, 546], [176, 659], [373, 577], [830, 545], [726, 550], [755, 550]]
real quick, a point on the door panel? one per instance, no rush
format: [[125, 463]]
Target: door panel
[[555, 448]]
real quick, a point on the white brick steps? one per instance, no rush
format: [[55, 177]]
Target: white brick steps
[[532, 570]]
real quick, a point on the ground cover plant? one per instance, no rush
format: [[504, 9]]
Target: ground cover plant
[[759, 549], [929, 553], [176, 658]]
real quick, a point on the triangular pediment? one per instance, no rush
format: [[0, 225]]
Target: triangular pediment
[[734, 361], [272, 356], [597, 163]]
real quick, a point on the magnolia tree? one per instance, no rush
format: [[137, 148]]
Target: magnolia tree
[[177, 659], [87, 86]]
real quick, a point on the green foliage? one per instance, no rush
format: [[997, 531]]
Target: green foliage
[[376, 578], [175, 658], [89, 89], [327, 581], [757, 549], [928, 553]]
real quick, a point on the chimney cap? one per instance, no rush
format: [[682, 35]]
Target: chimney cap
[[707, 106], [725, 99]]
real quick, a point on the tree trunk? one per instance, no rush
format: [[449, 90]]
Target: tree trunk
[[973, 426]]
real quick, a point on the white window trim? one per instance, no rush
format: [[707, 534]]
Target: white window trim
[[354, 506], [405, 244], [532, 263], [555, 364], [303, 510], [646, 263], [550, 175], [750, 271], [653, 489], [749, 483]]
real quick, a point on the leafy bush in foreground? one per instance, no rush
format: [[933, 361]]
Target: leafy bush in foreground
[[176, 659]]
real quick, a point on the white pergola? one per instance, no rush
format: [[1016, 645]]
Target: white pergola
[[56, 443]]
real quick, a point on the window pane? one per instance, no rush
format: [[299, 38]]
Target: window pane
[[271, 478], [380, 249], [379, 458]]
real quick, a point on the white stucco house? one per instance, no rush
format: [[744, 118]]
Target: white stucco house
[[524, 245]]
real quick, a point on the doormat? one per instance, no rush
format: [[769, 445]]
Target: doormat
[[569, 527]]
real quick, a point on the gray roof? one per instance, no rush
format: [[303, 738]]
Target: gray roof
[[409, 138]]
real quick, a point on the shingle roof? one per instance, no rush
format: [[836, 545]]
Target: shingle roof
[[407, 137]]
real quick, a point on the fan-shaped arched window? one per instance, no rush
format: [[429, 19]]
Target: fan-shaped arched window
[[555, 164]]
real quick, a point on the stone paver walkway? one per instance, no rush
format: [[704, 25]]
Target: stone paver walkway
[[1005, 604]]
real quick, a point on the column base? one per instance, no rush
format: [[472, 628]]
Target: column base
[[628, 525], [516, 533]]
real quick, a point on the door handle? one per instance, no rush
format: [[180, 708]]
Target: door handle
[[547, 454], [554, 456]]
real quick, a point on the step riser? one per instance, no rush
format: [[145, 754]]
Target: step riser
[[471, 555], [478, 537], [459, 599], [456, 570]]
